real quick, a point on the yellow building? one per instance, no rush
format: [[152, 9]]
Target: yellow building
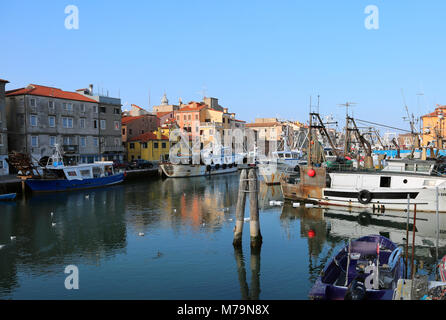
[[148, 146], [434, 128]]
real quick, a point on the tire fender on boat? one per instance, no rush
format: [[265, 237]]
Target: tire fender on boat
[[394, 257], [364, 196]]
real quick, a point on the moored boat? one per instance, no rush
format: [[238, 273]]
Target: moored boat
[[366, 269], [56, 176], [7, 196]]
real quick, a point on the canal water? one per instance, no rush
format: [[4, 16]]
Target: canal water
[[186, 251]]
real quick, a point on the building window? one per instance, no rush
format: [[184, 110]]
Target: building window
[[52, 121], [117, 142], [52, 141], [51, 106], [95, 124], [117, 125], [68, 106], [103, 123], [185, 117], [96, 142], [34, 141], [144, 145], [132, 145], [155, 145], [1, 139], [130, 131], [82, 107], [68, 141], [163, 145], [83, 141], [123, 131], [33, 121], [95, 109], [178, 118], [102, 109], [67, 122], [196, 117], [117, 111], [32, 102], [189, 117], [82, 123]]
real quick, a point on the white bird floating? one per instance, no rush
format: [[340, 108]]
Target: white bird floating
[[52, 213], [296, 204], [141, 234], [87, 196], [174, 210], [53, 224], [2, 246], [230, 219], [13, 238]]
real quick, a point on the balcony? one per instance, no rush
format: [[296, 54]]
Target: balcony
[[70, 148], [114, 148]]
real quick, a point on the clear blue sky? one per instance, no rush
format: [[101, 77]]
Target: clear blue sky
[[260, 58]]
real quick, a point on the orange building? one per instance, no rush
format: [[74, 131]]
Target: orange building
[[434, 127]]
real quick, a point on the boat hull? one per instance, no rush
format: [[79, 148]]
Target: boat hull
[[185, 170], [56, 185], [7, 197]]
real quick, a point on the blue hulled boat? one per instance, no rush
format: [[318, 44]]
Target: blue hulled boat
[[7, 196], [366, 269], [58, 177]]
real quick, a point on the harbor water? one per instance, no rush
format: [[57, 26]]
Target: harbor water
[[172, 239]]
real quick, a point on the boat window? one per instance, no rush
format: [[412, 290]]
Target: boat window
[[288, 155], [423, 167], [409, 167], [96, 172], [280, 155], [295, 156], [85, 173], [72, 173], [385, 182]]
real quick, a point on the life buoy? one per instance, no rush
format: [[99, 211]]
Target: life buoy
[[364, 196], [224, 166], [230, 165], [208, 168], [217, 166]]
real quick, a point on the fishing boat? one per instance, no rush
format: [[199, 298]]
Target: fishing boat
[[7, 196], [273, 170], [56, 176], [366, 269], [422, 181], [210, 164]]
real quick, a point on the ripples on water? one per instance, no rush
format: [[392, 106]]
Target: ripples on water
[[186, 251]]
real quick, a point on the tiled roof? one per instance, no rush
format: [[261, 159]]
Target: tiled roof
[[265, 124], [148, 136], [3, 80], [161, 114], [193, 106], [37, 90], [126, 120], [435, 113]]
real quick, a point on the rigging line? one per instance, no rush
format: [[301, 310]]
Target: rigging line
[[383, 125]]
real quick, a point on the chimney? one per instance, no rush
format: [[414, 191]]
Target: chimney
[[90, 89]]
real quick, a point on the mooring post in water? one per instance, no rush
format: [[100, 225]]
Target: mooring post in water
[[407, 234], [255, 273], [240, 210], [256, 237], [244, 289], [412, 273], [438, 225]]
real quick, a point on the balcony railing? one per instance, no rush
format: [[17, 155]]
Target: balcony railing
[[70, 148]]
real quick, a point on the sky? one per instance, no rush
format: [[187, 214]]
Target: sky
[[259, 58]]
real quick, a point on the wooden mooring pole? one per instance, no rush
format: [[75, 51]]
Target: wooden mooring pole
[[256, 236], [240, 210], [412, 271]]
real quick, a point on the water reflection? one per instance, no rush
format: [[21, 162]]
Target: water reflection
[[86, 226], [254, 293]]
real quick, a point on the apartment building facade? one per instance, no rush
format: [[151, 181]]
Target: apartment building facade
[[4, 169]]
